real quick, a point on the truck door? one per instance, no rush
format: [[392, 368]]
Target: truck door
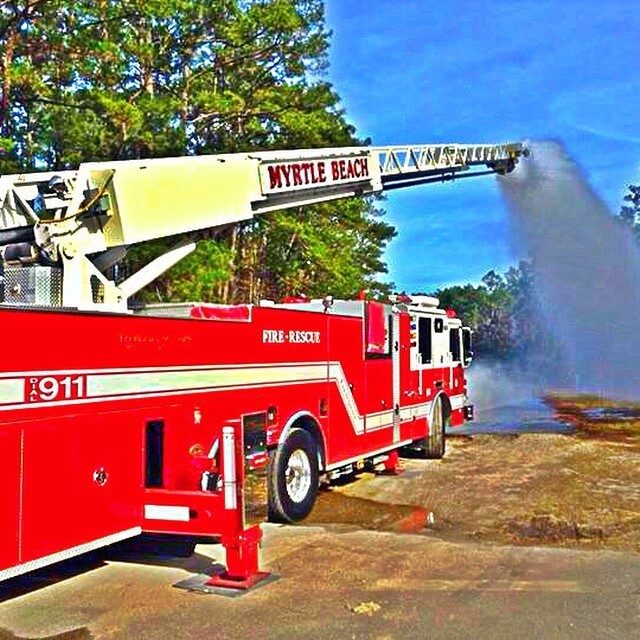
[[381, 374], [422, 370]]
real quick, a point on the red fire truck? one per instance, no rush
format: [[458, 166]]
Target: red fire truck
[[193, 419]]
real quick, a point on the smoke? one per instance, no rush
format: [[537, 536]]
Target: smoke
[[588, 270], [507, 400], [501, 384]]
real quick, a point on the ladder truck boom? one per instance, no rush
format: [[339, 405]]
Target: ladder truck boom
[[64, 230]]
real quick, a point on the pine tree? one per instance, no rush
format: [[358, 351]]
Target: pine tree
[[108, 79], [630, 214]]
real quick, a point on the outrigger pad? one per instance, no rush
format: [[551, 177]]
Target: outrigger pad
[[218, 584]]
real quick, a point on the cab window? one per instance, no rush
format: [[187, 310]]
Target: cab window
[[454, 344], [467, 347], [378, 331], [425, 342]]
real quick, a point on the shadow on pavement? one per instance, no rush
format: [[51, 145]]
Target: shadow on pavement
[[41, 578], [82, 633], [177, 554]]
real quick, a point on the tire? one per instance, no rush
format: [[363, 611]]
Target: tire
[[293, 478], [434, 444]]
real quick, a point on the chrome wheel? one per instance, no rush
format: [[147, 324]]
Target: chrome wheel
[[298, 475], [293, 477]]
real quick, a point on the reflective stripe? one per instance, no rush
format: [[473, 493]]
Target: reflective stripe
[[165, 512], [119, 384], [12, 572], [11, 390], [229, 467]]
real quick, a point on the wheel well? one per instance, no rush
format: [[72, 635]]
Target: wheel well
[[309, 424]]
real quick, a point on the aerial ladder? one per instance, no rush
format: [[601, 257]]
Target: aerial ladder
[[62, 231]]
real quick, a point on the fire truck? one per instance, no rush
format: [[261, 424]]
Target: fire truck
[[201, 420]]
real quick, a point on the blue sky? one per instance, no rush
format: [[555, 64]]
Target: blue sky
[[414, 71]]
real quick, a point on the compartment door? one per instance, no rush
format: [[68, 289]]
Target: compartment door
[[82, 481], [9, 495]]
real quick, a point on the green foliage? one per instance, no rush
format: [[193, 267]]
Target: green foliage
[[630, 214], [117, 79]]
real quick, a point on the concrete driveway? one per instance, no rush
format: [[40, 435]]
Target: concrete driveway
[[337, 583]]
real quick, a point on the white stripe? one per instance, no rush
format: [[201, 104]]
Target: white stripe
[[165, 512], [62, 372], [336, 373], [140, 396], [147, 382], [32, 565], [415, 411], [379, 420], [395, 376], [229, 467], [11, 390], [117, 384]]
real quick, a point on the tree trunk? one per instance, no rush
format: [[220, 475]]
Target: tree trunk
[[7, 61], [227, 287]]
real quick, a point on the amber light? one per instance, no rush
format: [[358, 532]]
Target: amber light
[[196, 450]]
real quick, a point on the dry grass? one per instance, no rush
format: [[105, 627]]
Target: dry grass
[[579, 490], [597, 416]]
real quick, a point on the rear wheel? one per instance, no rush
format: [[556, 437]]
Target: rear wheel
[[293, 478], [434, 443]]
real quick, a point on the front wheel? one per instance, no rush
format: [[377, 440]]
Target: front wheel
[[434, 443], [293, 478]]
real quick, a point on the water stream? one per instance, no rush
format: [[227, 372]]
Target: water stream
[[588, 270]]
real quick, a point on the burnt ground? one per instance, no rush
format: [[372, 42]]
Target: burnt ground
[[579, 490], [529, 536]]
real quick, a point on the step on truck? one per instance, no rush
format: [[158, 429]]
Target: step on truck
[[202, 420]]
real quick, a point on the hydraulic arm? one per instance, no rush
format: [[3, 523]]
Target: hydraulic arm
[[60, 232]]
